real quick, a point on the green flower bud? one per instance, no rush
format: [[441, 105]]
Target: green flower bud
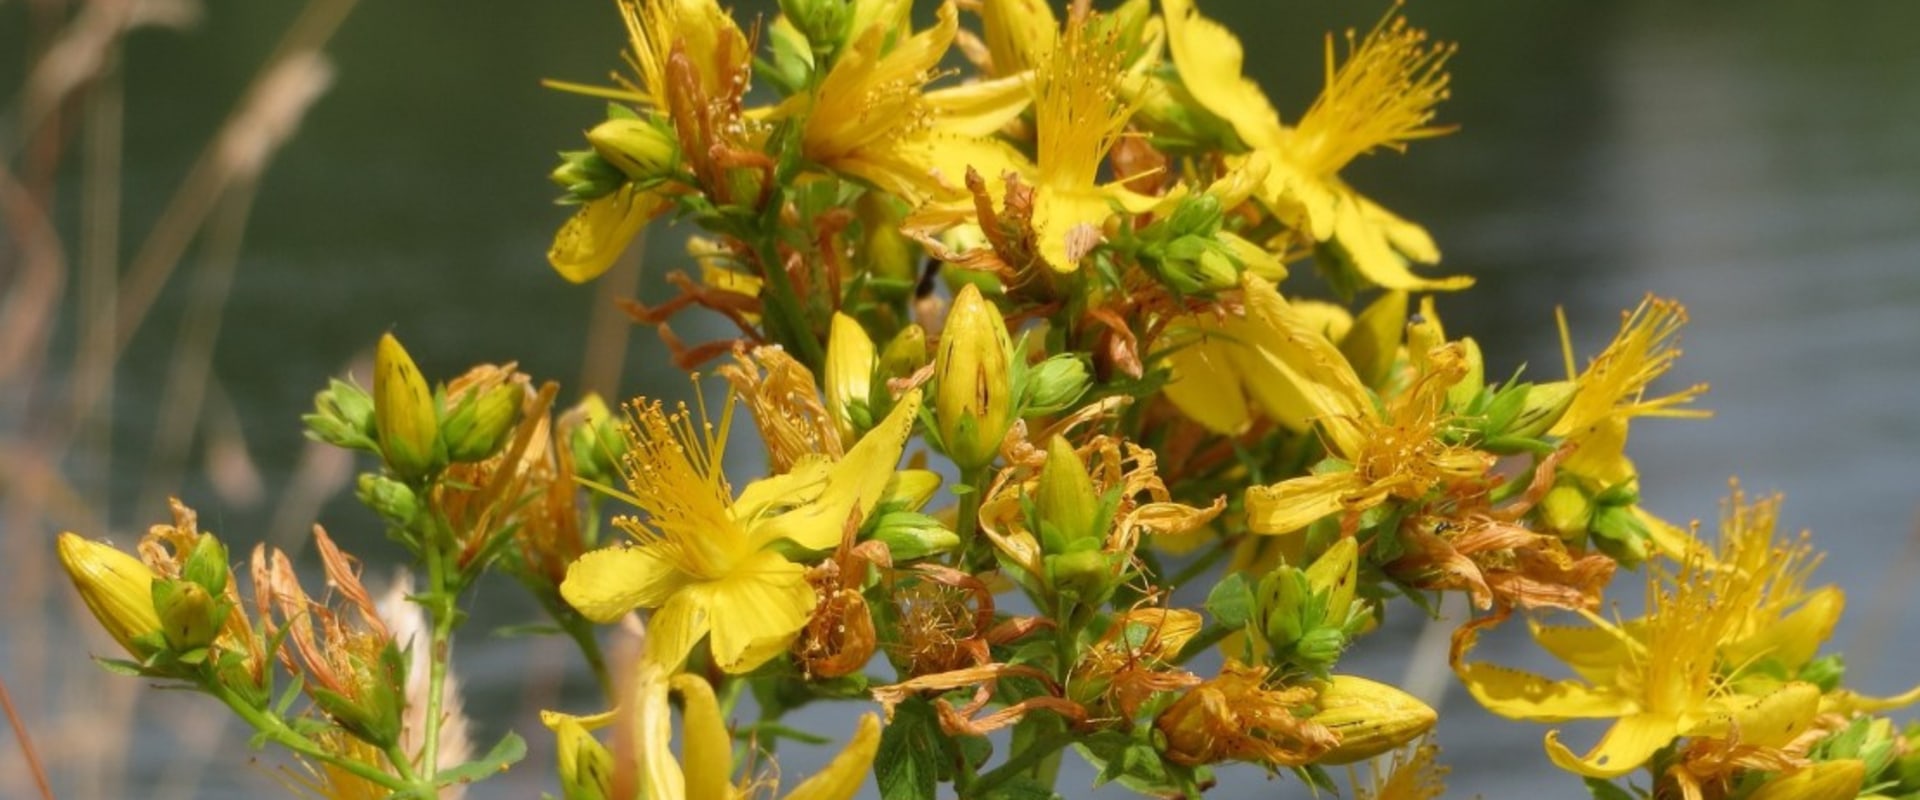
[[973, 404], [1462, 393], [1566, 510], [1196, 215], [480, 425], [189, 616], [594, 440], [1054, 385], [394, 501], [403, 412], [905, 354], [1620, 534], [372, 713], [343, 417], [636, 147], [207, 565], [1068, 504], [1284, 599], [1319, 648], [586, 765], [1545, 404], [586, 176], [909, 535], [1087, 575], [823, 22]]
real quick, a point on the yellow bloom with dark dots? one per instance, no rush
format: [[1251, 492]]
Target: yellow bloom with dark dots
[[1668, 675], [116, 587], [594, 237], [704, 559], [871, 117], [1391, 450], [1079, 114], [1381, 96]]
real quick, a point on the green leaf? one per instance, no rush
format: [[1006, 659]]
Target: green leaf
[[1231, 601], [120, 666], [1021, 787], [510, 749], [1605, 790], [905, 765]]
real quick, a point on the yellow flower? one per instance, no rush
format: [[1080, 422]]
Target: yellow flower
[[1382, 95], [1079, 114], [704, 559], [871, 119], [1018, 34], [1395, 451], [1612, 389], [1668, 674], [1236, 716], [588, 243], [1227, 367], [705, 767]]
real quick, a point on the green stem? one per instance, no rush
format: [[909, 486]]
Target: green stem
[[581, 632], [440, 594], [967, 521], [1207, 638], [785, 318], [1022, 761], [1199, 566], [277, 731]]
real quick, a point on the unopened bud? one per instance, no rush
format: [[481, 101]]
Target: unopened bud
[[849, 376], [1068, 504], [1333, 576], [1620, 534], [394, 501], [586, 176], [207, 565], [1319, 647], [1373, 342], [594, 439], [1085, 575], [1369, 717], [189, 618], [905, 353], [909, 535], [1462, 393], [116, 587], [635, 147], [480, 424], [974, 403], [586, 765], [1284, 596], [1566, 510], [1546, 403], [1054, 385], [910, 489], [342, 416], [403, 410]]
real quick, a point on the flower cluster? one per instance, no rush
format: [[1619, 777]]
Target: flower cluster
[[1047, 429]]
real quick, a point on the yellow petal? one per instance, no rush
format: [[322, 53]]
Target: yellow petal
[[706, 748], [1368, 239], [1596, 653], [676, 626], [1626, 746], [652, 735], [1332, 393], [774, 495], [1517, 694], [847, 772], [1068, 223], [1848, 703], [1293, 504], [1209, 58], [756, 612], [605, 584], [1828, 780], [1794, 639], [855, 484], [596, 235], [981, 108], [1771, 720], [1204, 385]]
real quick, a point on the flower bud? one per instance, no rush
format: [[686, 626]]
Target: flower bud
[[849, 376], [1068, 504], [1369, 717], [586, 766], [1283, 601], [1318, 648], [910, 489], [1546, 403], [1333, 575], [189, 617], [403, 411], [1054, 384], [1620, 534], [910, 534], [586, 176], [117, 588], [905, 354], [370, 710], [206, 565], [342, 416], [823, 22], [394, 501], [974, 404], [1085, 575], [635, 147], [594, 439], [1829, 780], [480, 425], [1567, 511], [1374, 340]]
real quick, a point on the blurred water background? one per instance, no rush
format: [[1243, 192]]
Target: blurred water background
[[1760, 161]]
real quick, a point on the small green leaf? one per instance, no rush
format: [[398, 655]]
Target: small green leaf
[[510, 749], [1231, 601], [905, 765], [1605, 790]]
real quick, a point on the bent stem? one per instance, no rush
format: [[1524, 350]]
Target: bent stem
[[277, 731]]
